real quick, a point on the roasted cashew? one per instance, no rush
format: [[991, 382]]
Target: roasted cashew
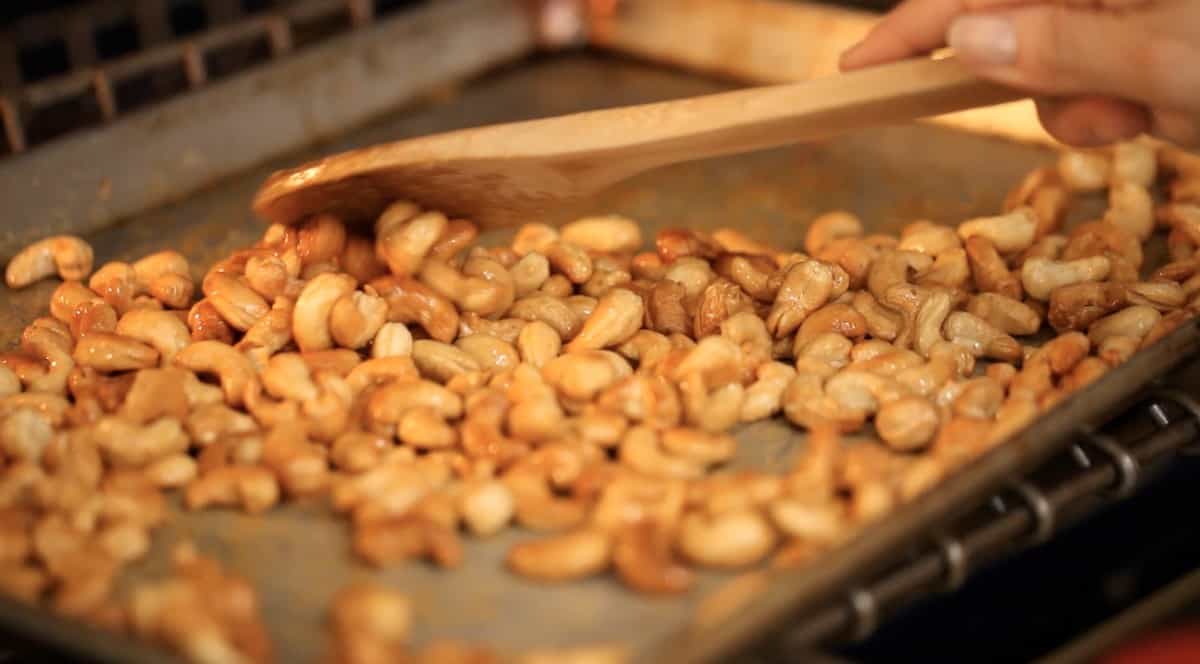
[[1041, 277], [894, 267], [231, 367], [989, 270], [404, 236], [161, 330], [806, 287], [311, 316], [538, 343], [356, 317], [981, 338], [566, 557], [1135, 322], [606, 234], [1083, 170], [410, 301], [1008, 315], [67, 256], [829, 227], [1009, 233], [618, 315], [730, 540]]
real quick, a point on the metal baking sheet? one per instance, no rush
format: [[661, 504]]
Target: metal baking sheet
[[298, 556]]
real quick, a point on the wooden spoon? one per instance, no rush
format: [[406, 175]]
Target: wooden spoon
[[507, 174]]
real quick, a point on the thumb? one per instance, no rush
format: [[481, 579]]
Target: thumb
[[1056, 49]]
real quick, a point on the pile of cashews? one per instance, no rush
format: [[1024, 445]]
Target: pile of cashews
[[569, 384]]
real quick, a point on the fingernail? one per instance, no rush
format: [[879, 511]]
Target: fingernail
[[846, 60], [988, 40]]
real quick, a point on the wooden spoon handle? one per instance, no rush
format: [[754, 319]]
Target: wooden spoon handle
[[744, 120]]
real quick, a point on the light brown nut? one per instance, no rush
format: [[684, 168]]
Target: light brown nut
[[358, 259], [675, 243], [534, 237], [552, 311], [642, 451], [836, 318], [166, 276], [1009, 233], [484, 286], [320, 239], [929, 238], [1004, 313], [370, 624], [754, 273], [643, 559], [894, 267], [156, 393], [1083, 170], [207, 325], [730, 540], [881, 322], [356, 318], [111, 352], [1041, 276], [989, 270], [981, 338], [530, 273], [404, 235], [1099, 238], [423, 428], [829, 227], [618, 315], [979, 398], [566, 557], [171, 472], [235, 301], [489, 353], [458, 235], [806, 287], [1133, 322], [569, 260], [1135, 162], [487, 507], [392, 340], [410, 301], [1116, 350], [1131, 208], [605, 234], [231, 367], [538, 343], [311, 316], [49, 341], [720, 300], [392, 401], [950, 269], [580, 377], [253, 488], [131, 446], [1048, 246], [1077, 306], [24, 434], [1166, 325], [67, 256], [666, 311], [117, 284], [440, 362], [815, 522], [694, 274], [162, 330], [1162, 295], [9, 382]]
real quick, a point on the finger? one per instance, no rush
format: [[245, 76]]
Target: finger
[[912, 28], [1060, 50], [1183, 129], [1092, 121]]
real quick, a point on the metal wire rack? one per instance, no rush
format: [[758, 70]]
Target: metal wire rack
[[1098, 468]]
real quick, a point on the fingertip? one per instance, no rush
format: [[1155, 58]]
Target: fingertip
[[1092, 121], [849, 59]]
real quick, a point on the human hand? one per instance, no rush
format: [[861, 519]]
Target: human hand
[[1100, 70]]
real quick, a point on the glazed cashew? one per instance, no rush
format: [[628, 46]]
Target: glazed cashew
[[694, 274], [642, 451], [1009, 233], [1077, 306], [895, 267], [806, 287], [618, 315], [111, 352], [1083, 171], [404, 236], [311, 317], [440, 362], [1131, 208], [161, 330], [607, 234], [852, 254], [1135, 322], [529, 274], [45, 339], [569, 260], [484, 286], [235, 301], [1044, 191], [989, 270], [1006, 314], [1041, 276], [980, 338], [950, 269], [231, 367], [829, 227], [929, 238], [410, 301], [731, 540], [566, 557], [67, 256], [356, 318], [1134, 162], [538, 343]]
